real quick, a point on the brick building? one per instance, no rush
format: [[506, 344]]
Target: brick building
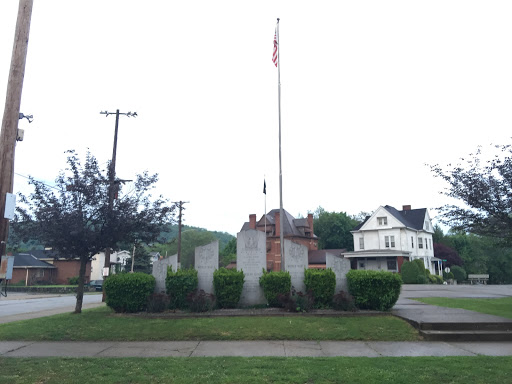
[[297, 230], [64, 267]]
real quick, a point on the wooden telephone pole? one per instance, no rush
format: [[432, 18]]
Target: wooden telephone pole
[[112, 185], [12, 112], [180, 207]]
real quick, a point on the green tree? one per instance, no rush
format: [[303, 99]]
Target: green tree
[[438, 235], [142, 261], [190, 239], [74, 217], [333, 229], [484, 192], [228, 253]]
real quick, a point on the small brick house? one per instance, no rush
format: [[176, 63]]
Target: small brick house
[[64, 267], [31, 270], [297, 230]]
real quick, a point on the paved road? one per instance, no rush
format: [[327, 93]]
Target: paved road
[[18, 306], [469, 291]]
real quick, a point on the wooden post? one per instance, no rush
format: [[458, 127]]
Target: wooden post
[[10, 119]]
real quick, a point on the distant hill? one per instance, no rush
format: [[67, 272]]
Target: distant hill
[[171, 232]]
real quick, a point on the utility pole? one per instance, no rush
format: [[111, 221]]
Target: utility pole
[[11, 116], [180, 207], [112, 186]]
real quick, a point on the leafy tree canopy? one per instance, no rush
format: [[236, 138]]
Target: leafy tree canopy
[[484, 191], [75, 219], [333, 229], [444, 252]]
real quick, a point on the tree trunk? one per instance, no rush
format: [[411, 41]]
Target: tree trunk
[[80, 289]]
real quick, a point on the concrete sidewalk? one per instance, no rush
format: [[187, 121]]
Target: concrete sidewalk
[[251, 348]]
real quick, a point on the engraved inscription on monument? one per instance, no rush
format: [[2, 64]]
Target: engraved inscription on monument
[[206, 262], [252, 259], [340, 267], [160, 271], [295, 261]]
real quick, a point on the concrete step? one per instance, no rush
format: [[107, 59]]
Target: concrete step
[[465, 326], [468, 335]]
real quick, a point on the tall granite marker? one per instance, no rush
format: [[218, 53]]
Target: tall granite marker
[[160, 271], [295, 262], [340, 267], [206, 262], [252, 259]]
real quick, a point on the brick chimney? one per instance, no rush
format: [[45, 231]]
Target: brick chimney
[[310, 223], [277, 223], [252, 221], [406, 207]]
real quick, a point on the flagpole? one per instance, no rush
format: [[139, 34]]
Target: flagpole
[[281, 216]]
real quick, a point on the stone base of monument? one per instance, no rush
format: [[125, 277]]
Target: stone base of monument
[[256, 312]]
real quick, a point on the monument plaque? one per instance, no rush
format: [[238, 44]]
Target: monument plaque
[[206, 262], [295, 261], [340, 267], [252, 259], [160, 271]]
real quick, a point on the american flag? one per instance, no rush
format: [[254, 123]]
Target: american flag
[[274, 56]]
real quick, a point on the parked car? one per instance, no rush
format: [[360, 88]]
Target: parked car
[[98, 284]]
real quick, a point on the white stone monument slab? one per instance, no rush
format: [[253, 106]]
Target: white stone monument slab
[[160, 271], [340, 267], [251, 258], [295, 261], [206, 262]]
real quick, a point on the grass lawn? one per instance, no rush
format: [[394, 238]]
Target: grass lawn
[[103, 324], [498, 307], [397, 370]]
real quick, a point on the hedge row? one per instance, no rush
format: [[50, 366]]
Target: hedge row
[[370, 290]]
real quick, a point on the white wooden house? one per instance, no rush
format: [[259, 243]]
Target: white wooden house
[[389, 237]]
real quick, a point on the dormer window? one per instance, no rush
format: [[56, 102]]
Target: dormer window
[[427, 225], [382, 220]]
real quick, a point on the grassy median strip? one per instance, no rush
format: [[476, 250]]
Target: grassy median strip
[[498, 307], [103, 324], [397, 370]]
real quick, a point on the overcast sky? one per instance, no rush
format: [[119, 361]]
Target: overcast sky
[[371, 92]]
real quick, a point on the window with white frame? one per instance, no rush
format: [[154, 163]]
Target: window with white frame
[[430, 243], [382, 220], [420, 242], [361, 243], [427, 225], [391, 264], [412, 241], [426, 243], [390, 241]]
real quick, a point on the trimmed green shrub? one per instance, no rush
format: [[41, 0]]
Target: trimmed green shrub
[[410, 272], [73, 280], [275, 284], [128, 292], [459, 273], [421, 267], [322, 284], [200, 301], [228, 285], [179, 284], [377, 290], [437, 279], [448, 276]]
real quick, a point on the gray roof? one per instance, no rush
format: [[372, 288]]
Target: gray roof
[[24, 260], [43, 254], [291, 225], [413, 218]]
